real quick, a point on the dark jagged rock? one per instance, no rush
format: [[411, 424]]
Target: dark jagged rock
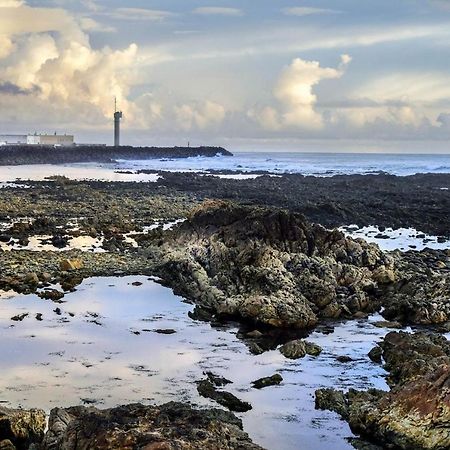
[[267, 381], [173, 426], [271, 266], [376, 354], [21, 428], [207, 389], [217, 380], [415, 414]]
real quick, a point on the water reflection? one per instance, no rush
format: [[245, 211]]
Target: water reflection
[[102, 348]]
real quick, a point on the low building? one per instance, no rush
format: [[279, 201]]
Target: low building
[[50, 139], [37, 139], [13, 139]]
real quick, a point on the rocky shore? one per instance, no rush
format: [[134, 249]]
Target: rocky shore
[[279, 271], [172, 426]]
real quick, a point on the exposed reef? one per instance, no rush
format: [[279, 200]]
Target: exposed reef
[[36, 154], [271, 266], [416, 201]]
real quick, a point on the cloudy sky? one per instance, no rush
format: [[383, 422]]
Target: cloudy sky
[[248, 74]]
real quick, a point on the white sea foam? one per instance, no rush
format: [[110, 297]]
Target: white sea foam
[[244, 164]]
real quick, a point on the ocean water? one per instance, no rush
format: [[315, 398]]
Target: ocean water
[[319, 164], [241, 165]]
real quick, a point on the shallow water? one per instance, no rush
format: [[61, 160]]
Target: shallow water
[[88, 171], [403, 239], [96, 356]]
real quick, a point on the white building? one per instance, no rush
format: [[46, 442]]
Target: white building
[[13, 139], [37, 139]]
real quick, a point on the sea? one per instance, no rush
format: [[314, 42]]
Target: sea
[[241, 165]]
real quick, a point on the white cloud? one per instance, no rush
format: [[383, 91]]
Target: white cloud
[[302, 11], [199, 116], [90, 25], [47, 54], [10, 3], [294, 93], [218, 11], [140, 14]]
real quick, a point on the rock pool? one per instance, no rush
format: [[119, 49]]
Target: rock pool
[[100, 347]]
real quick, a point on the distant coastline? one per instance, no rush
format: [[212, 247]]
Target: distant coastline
[[27, 154]]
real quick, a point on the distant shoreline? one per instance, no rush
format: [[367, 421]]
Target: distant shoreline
[[16, 155]]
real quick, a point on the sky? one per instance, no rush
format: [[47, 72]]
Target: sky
[[248, 74]]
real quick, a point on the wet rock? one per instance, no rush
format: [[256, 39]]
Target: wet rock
[[294, 349], [313, 349], [255, 348], [167, 427], [217, 380], [376, 354], [332, 400], [344, 359], [39, 317], [299, 348], [388, 324], [21, 428], [51, 294], [207, 389], [19, 317], [267, 381]]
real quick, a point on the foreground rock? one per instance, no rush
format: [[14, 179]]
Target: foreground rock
[[274, 380], [20, 429], [207, 389], [272, 267], [173, 426], [299, 348], [422, 292], [415, 414]]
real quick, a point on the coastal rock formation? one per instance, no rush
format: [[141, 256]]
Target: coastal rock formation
[[416, 412], [173, 426], [271, 266], [422, 292], [19, 429]]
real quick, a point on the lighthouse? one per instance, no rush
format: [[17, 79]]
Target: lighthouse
[[117, 117]]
